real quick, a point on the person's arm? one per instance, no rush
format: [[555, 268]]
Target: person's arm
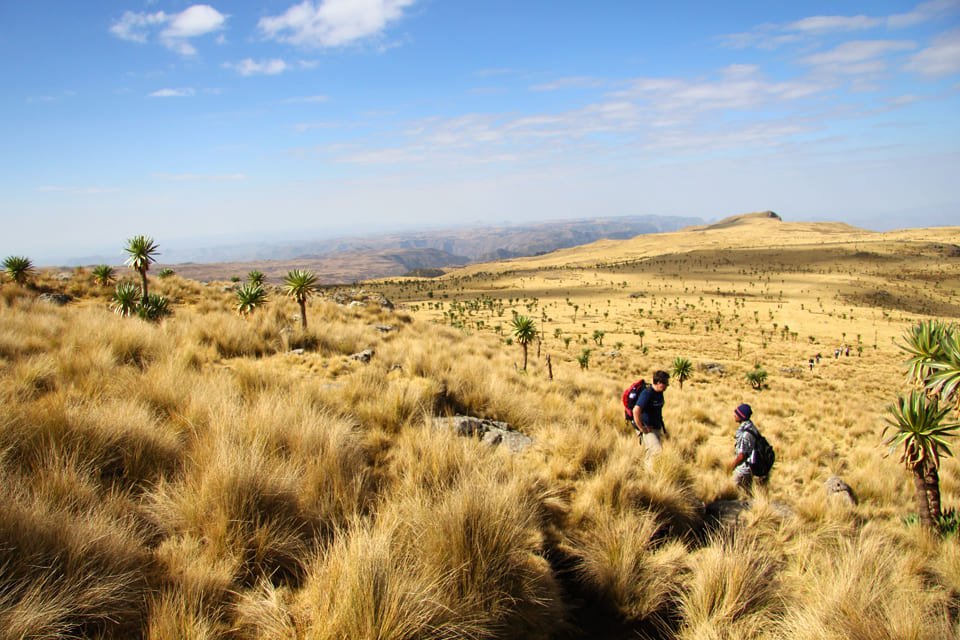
[[736, 461], [638, 412]]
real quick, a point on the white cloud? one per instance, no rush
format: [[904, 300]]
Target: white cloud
[[198, 20], [942, 58], [250, 67], [172, 93], [135, 27], [332, 23], [175, 30]]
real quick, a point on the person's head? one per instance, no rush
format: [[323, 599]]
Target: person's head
[[661, 379], [743, 412]]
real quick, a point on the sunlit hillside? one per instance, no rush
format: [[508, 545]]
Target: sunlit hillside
[[215, 475]]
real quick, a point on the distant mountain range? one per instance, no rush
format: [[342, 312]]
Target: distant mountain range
[[350, 259]]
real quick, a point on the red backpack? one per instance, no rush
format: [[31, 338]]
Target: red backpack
[[630, 396]]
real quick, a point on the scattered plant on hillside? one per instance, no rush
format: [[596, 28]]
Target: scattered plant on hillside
[[142, 251], [256, 277], [166, 272], [682, 370], [757, 377], [598, 336], [103, 275], [250, 296], [300, 284], [126, 297], [584, 359], [18, 268], [524, 330], [154, 307]]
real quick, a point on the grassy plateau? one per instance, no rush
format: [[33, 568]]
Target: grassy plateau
[[214, 476]]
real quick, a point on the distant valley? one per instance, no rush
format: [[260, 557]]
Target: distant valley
[[350, 259]]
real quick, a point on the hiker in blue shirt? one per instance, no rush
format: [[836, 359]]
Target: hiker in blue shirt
[[648, 414], [746, 444]]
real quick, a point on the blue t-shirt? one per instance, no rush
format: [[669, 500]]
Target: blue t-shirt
[[651, 407]]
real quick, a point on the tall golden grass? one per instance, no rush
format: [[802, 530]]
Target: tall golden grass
[[213, 476]]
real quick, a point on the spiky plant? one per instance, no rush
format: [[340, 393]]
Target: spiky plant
[[923, 343], [250, 296], [524, 331], [154, 307], [682, 370], [944, 377], [256, 277], [18, 268], [126, 297], [919, 431], [300, 284], [103, 275], [141, 252]]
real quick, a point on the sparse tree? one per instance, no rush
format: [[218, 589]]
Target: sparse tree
[[682, 370], [18, 268], [300, 284], [584, 359], [919, 421], [524, 331], [103, 275], [250, 296], [757, 377], [598, 336], [141, 252], [920, 432]]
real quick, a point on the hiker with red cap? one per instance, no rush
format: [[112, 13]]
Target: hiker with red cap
[[754, 454]]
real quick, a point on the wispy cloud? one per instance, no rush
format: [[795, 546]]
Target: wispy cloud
[[941, 58], [857, 57], [51, 98], [172, 93], [200, 177], [307, 99], [173, 31], [76, 190], [774, 36], [332, 23], [251, 67], [577, 82]]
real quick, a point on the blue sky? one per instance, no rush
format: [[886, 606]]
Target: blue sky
[[203, 123]]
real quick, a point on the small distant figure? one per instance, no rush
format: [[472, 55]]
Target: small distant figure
[[647, 415], [836, 354], [818, 358], [754, 455], [847, 354], [811, 364]]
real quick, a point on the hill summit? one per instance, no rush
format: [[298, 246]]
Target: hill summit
[[745, 218]]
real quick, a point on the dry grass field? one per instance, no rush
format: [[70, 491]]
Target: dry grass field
[[212, 476]]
